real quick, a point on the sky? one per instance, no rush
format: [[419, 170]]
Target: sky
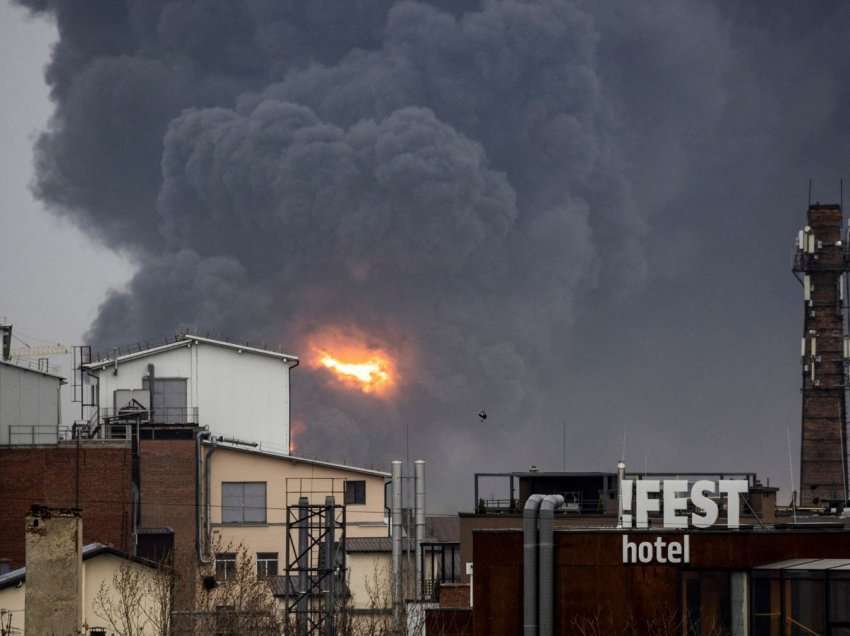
[[52, 276], [577, 216]]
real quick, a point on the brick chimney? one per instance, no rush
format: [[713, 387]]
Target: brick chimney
[[821, 262], [54, 576]]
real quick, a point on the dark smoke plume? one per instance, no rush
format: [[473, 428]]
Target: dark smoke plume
[[564, 211]]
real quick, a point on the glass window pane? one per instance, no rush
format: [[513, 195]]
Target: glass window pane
[[232, 501], [805, 612], [766, 607], [255, 503], [839, 601]]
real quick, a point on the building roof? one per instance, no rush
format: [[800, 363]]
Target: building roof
[[297, 460], [20, 367], [190, 339], [808, 564], [375, 544], [89, 551]]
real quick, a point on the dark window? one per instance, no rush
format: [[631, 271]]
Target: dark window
[[767, 605], [225, 565], [355, 492], [805, 613], [243, 502], [266, 564], [708, 603]]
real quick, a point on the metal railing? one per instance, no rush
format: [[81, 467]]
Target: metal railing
[[164, 415], [32, 434]]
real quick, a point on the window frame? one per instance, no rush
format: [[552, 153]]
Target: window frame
[[351, 498], [266, 558], [223, 559], [242, 507]]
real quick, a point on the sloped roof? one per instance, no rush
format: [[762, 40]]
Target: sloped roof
[[298, 460], [89, 551], [375, 544], [189, 339], [20, 367]]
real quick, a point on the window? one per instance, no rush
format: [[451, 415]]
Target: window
[[707, 603], [168, 400], [225, 566], [266, 564], [243, 502], [355, 492]]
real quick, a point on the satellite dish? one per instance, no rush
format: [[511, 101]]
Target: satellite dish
[[482, 415]]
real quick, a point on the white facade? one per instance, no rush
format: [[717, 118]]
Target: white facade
[[238, 391], [29, 406]]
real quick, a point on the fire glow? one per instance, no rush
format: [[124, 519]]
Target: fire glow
[[366, 368]]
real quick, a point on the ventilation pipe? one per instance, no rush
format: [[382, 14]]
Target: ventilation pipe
[[396, 541], [621, 477], [529, 565], [546, 548], [419, 502]]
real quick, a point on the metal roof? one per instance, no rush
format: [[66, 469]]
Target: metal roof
[[89, 551], [19, 367], [189, 339], [293, 458], [375, 544], [808, 564]]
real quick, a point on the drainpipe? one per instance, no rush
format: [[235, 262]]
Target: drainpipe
[[419, 474], [396, 542], [198, 541], [529, 565], [546, 545], [207, 497]]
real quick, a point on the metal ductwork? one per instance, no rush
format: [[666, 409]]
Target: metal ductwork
[[419, 502], [396, 541], [538, 563]]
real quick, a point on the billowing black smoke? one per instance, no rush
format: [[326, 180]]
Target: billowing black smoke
[[555, 209]]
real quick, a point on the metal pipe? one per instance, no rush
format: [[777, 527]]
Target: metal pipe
[[529, 565], [396, 541], [546, 547], [621, 476], [198, 541], [419, 475], [303, 564], [207, 481]]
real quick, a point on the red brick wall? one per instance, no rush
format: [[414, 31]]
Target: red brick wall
[[167, 484], [168, 489], [48, 476], [454, 595]]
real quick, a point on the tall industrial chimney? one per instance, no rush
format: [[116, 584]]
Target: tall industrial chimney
[[821, 263]]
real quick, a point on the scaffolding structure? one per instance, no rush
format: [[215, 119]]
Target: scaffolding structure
[[315, 566]]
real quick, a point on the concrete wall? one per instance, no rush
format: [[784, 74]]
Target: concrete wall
[[369, 579], [47, 476], [245, 395], [54, 594], [28, 399]]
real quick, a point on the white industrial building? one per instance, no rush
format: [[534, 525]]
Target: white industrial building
[[30, 411], [236, 391]]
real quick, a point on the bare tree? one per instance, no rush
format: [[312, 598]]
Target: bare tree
[[120, 604]]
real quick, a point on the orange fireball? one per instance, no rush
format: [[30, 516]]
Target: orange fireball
[[355, 364]]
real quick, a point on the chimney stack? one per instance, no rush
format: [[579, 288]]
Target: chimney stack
[[54, 562], [821, 262]]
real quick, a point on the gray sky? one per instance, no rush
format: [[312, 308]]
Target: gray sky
[[52, 277], [558, 210]]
